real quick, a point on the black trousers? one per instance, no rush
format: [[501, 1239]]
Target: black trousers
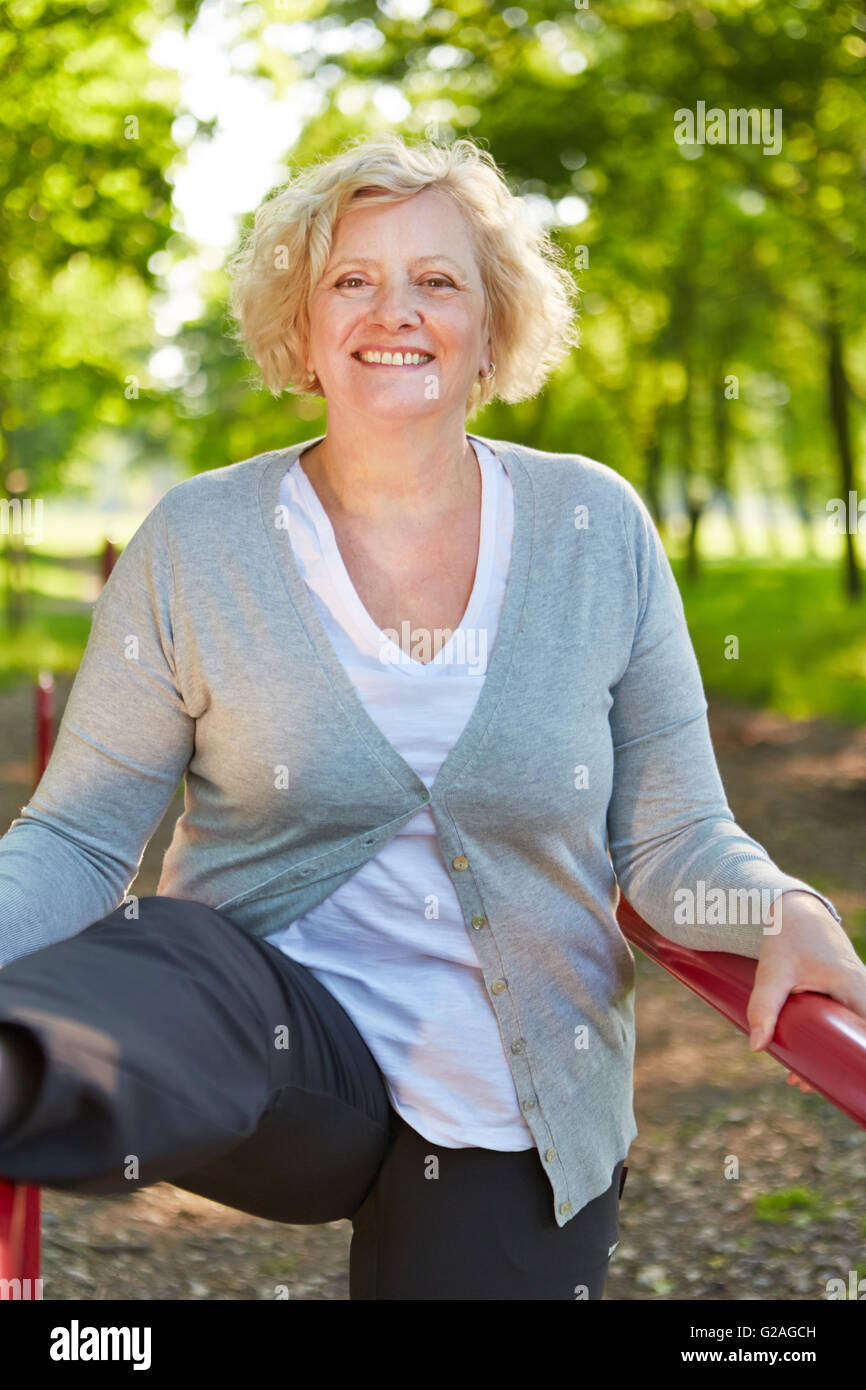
[[177, 1048]]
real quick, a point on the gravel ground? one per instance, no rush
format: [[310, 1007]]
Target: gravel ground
[[793, 1216]]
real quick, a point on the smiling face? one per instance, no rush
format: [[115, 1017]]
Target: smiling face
[[402, 278]]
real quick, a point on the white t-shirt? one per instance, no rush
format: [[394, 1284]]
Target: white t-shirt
[[391, 944]]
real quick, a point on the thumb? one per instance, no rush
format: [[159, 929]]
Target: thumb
[[764, 1006]]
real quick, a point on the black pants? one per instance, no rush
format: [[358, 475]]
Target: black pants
[[177, 1048]]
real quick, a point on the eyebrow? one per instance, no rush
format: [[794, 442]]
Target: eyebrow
[[417, 260]]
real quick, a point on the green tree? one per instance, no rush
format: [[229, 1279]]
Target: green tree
[[85, 141]]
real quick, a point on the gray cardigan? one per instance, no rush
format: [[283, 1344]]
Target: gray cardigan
[[586, 762]]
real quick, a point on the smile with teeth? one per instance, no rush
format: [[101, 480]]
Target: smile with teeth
[[394, 359]]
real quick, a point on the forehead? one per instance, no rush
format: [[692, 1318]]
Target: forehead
[[429, 223]]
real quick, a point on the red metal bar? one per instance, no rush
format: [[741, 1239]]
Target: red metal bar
[[44, 721], [20, 1233], [818, 1038], [20, 1203]]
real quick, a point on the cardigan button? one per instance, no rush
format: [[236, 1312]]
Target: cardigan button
[[529, 1104], [479, 922], [498, 986], [518, 1046], [550, 1155], [564, 1208], [461, 862]]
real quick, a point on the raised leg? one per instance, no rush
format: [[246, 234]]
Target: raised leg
[[177, 1048]]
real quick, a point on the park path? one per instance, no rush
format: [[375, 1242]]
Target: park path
[[687, 1231]]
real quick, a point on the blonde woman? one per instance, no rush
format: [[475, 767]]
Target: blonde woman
[[433, 698]]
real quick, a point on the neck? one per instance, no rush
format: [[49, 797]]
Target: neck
[[387, 473]]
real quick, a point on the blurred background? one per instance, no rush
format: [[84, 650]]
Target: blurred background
[[722, 369]]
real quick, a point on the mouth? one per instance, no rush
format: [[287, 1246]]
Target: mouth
[[425, 361]]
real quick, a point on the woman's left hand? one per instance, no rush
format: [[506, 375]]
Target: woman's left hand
[[811, 951]]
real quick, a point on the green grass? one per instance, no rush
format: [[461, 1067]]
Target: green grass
[[802, 645], [799, 1205]]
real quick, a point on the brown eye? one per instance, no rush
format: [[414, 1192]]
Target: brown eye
[[442, 279]]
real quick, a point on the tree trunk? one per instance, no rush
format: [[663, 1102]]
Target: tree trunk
[[695, 512], [722, 449], [838, 392], [694, 504], [652, 479], [800, 490], [683, 323]]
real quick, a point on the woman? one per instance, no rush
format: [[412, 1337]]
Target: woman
[[432, 696]]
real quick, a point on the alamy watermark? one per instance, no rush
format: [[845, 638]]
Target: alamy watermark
[[468, 647], [77, 1343], [843, 518], [22, 1289], [736, 126], [21, 517], [718, 907]]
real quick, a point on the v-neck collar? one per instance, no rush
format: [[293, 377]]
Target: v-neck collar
[[460, 754], [364, 624]]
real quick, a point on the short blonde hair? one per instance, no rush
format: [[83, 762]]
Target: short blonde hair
[[530, 295]]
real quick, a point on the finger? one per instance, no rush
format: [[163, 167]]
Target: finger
[[794, 1080], [762, 1010]]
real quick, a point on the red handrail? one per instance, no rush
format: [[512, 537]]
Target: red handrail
[[21, 1203], [44, 714], [818, 1038], [20, 1239]]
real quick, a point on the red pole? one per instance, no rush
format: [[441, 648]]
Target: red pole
[[44, 721], [21, 1203], [20, 1232], [821, 1040]]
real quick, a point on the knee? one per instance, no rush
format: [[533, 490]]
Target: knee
[[164, 916]]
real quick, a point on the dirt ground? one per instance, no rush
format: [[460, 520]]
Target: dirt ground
[[793, 1218]]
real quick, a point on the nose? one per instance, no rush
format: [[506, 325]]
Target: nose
[[392, 305]]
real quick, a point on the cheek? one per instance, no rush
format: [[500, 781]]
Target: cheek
[[324, 318], [334, 331], [459, 325]]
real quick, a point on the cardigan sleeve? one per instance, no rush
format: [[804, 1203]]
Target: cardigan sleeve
[[679, 856], [122, 746]]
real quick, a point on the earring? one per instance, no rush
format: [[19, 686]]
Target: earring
[[486, 376]]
